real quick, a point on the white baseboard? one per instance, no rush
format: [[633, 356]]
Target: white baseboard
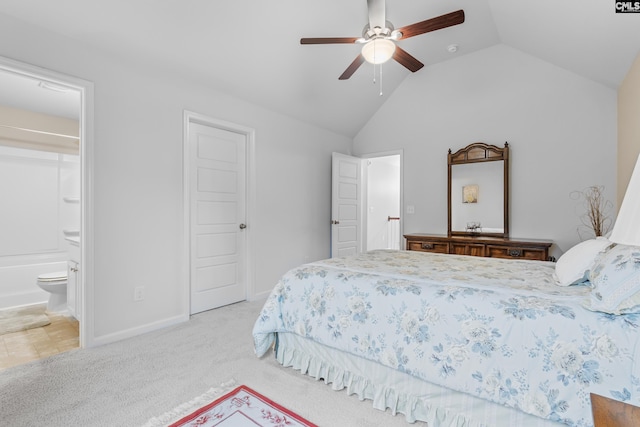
[[139, 330], [261, 295]]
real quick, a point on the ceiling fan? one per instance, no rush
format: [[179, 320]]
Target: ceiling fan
[[379, 38]]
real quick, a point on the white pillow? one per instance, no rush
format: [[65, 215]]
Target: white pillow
[[615, 278], [573, 266]]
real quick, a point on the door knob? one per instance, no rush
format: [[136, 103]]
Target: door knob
[[243, 226]]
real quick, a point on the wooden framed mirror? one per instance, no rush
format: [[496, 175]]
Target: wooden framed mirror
[[478, 191]]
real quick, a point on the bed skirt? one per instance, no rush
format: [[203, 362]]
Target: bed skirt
[[401, 393]]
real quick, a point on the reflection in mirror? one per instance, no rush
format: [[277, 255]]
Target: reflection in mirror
[[478, 191], [476, 199]]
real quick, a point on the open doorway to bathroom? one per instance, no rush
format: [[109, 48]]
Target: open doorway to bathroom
[[41, 183]]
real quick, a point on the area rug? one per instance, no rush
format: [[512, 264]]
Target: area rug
[[23, 318], [240, 407]]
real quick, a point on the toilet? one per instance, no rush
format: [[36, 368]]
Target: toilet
[[56, 285]]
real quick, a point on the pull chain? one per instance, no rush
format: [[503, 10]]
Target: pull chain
[[374, 70], [374, 76]]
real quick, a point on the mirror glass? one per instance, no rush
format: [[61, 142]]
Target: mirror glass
[[477, 191]]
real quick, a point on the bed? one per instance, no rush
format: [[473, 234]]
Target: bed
[[456, 340]]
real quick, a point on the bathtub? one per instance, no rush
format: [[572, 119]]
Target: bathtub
[[18, 276]]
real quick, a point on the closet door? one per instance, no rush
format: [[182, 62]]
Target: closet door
[[217, 216]]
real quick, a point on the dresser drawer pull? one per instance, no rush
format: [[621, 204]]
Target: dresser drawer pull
[[426, 245], [515, 252]]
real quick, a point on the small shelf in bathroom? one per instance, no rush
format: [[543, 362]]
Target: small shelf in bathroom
[[71, 199], [72, 236], [75, 241]]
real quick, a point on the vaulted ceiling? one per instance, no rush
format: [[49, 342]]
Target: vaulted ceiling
[[251, 48]]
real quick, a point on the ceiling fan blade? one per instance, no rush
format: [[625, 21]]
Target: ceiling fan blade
[[352, 68], [328, 40], [437, 23], [408, 61], [377, 16]]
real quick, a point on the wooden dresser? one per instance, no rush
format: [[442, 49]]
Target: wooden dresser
[[612, 413], [496, 247]]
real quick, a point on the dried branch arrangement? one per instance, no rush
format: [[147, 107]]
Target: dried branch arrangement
[[596, 217]]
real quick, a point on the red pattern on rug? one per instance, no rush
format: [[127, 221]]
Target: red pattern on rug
[[243, 406]]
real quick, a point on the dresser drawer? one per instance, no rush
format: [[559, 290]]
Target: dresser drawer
[[515, 252], [438, 247], [467, 249], [482, 246]]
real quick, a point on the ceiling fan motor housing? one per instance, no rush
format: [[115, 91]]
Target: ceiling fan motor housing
[[369, 33]]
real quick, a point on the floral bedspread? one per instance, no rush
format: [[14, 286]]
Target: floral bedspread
[[498, 329]]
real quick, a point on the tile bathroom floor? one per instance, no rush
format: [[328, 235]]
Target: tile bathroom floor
[[21, 347]]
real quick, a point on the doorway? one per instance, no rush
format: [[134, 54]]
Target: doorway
[[383, 202], [48, 93], [366, 200]]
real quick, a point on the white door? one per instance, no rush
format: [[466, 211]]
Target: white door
[[217, 216], [346, 205]]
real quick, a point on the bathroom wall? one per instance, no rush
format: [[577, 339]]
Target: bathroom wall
[[39, 192], [39, 131]]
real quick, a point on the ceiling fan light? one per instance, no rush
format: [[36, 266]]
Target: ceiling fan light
[[378, 51]]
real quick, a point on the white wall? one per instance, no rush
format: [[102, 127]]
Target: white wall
[[561, 128], [138, 179]]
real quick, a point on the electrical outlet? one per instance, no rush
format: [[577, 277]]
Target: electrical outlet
[[138, 293]]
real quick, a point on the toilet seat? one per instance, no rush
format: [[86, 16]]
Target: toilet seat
[[56, 285], [53, 277]]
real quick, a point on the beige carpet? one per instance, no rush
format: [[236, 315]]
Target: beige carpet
[[131, 381], [23, 318]]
